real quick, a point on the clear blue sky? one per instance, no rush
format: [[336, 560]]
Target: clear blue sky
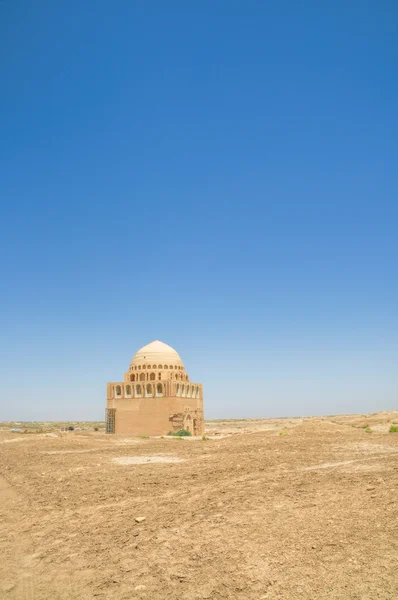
[[221, 176]]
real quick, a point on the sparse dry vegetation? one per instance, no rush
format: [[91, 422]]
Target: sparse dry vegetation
[[50, 426]]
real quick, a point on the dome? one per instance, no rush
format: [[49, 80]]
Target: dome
[[157, 353]]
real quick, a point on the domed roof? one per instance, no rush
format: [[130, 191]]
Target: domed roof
[[157, 353]]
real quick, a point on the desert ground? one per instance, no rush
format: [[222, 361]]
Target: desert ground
[[279, 509]]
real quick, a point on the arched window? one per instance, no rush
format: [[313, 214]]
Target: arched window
[[183, 390], [152, 377], [188, 391], [186, 377], [118, 390], [176, 375], [148, 366], [178, 391], [160, 367], [138, 390], [148, 390], [142, 377], [132, 377], [144, 366], [139, 367], [197, 391], [193, 392], [153, 366], [175, 367], [171, 366], [128, 390], [159, 376], [166, 367], [159, 389]]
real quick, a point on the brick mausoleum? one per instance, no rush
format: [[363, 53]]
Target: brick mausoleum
[[155, 397]]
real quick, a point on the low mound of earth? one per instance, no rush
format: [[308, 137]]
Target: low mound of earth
[[288, 509], [145, 460]]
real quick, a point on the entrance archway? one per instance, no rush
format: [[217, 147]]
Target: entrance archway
[[188, 424]]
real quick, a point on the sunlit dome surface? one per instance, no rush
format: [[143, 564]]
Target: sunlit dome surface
[[157, 353]]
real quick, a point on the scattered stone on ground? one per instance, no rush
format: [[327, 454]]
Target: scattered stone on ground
[[140, 519]]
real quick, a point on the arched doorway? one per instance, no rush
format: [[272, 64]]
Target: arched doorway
[[188, 424]]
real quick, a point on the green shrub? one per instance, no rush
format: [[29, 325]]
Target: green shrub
[[204, 438], [181, 432], [144, 437], [368, 429], [95, 428], [394, 429]]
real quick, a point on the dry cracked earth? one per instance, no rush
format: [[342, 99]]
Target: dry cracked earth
[[309, 514]]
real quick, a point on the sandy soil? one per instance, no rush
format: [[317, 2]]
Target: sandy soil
[[277, 509]]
